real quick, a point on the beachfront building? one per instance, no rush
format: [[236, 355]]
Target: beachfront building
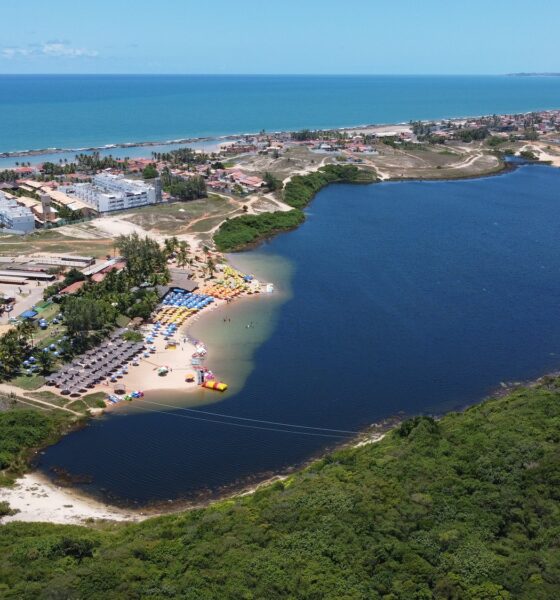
[[108, 192], [15, 218]]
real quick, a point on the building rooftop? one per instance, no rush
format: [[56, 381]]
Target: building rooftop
[[73, 288]]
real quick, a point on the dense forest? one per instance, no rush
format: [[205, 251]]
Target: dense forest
[[301, 189], [182, 188], [22, 431], [463, 508], [240, 232]]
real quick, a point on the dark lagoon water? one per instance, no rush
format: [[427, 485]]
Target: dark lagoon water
[[406, 297]]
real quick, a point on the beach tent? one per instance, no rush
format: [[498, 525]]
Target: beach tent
[[28, 314]]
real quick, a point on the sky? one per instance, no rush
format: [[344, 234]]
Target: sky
[[282, 36]]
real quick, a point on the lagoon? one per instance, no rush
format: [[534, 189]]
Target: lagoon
[[399, 298]]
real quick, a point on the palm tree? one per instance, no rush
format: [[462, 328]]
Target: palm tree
[[182, 254], [45, 361], [25, 330], [210, 266], [170, 245]]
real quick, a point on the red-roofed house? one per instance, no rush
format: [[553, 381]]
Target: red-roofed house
[[72, 288]]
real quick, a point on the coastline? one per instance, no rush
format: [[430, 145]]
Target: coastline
[[117, 145], [227, 137], [38, 499], [95, 509]]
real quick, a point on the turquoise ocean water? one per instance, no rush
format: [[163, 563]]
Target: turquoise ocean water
[[75, 111]]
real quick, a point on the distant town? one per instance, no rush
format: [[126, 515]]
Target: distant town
[[50, 194]]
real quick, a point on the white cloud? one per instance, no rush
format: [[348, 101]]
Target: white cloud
[[14, 52], [50, 49], [60, 49]]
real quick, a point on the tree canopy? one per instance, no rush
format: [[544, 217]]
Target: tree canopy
[[465, 508]]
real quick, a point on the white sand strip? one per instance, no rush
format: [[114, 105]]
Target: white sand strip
[[39, 500]]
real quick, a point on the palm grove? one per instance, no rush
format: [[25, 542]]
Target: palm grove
[[91, 313]]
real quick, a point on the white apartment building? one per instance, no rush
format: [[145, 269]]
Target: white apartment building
[[108, 192], [15, 218]]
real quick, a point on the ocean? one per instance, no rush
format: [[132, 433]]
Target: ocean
[[397, 298], [77, 111]]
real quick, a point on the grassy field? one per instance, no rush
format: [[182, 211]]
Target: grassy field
[[297, 158], [450, 161], [181, 217], [49, 397], [28, 382], [54, 241]]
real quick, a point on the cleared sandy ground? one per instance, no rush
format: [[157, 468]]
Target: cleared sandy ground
[[38, 500]]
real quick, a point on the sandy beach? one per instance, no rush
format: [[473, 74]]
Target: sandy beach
[[39, 500], [177, 360]]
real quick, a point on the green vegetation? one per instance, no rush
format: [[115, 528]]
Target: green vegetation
[[301, 189], [95, 400], [466, 508], [71, 277], [495, 140], [5, 510], [95, 162], [240, 232], [22, 430], [133, 336], [245, 230], [93, 311], [304, 135], [528, 155], [51, 169], [471, 134], [96, 308], [50, 397], [177, 217], [15, 346], [88, 315], [150, 172], [29, 382], [421, 129], [530, 134], [184, 189], [182, 156], [272, 182], [7, 175]]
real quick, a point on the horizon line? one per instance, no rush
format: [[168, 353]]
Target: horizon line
[[275, 74]]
